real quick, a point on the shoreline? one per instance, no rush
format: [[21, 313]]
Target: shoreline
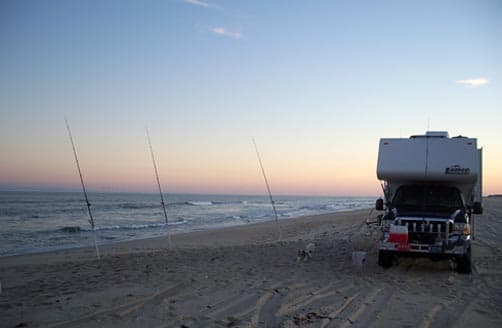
[[46, 222], [189, 239], [179, 235]]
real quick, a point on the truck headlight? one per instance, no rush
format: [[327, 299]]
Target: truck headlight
[[462, 228]]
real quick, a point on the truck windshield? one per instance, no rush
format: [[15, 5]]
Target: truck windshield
[[427, 198]]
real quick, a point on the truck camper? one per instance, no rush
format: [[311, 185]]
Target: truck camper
[[432, 188]]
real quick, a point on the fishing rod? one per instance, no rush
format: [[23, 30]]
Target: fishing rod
[[91, 219], [158, 185], [268, 189]]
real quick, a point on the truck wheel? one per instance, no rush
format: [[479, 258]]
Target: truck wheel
[[464, 263], [384, 259]]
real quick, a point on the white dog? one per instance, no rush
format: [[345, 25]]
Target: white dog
[[305, 254]]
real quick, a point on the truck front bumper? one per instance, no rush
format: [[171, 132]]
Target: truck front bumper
[[455, 246]]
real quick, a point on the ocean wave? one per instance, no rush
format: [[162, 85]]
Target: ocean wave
[[77, 229], [150, 205], [138, 226], [189, 203], [70, 229], [237, 217], [210, 202], [214, 202], [199, 203], [137, 206]]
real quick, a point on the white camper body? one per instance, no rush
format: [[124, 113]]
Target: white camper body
[[433, 157], [431, 183]]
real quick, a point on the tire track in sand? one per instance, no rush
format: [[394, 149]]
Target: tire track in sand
[[238, 306], [120, 310], [359, 309], [267, 308], [306, 297]]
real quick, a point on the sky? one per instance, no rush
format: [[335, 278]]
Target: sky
[[316, 83]]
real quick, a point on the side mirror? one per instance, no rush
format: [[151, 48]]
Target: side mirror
[[379, 204], [477, 208]]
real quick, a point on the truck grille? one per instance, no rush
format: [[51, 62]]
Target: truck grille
[[426, 232]]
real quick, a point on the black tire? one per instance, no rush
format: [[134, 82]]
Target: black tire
[[464, 263], [384, 259]]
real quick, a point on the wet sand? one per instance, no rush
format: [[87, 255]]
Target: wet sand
[[245, 277]]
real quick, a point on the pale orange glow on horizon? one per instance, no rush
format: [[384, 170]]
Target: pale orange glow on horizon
[[354, 183], [333, 168]]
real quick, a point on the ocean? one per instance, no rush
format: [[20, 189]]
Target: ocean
[[33, 222]]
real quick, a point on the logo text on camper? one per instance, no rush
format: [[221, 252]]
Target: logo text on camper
[[457, 169]]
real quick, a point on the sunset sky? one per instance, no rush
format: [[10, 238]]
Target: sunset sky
[[316, 83]]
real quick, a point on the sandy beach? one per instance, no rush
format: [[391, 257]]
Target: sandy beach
[[244, 277]]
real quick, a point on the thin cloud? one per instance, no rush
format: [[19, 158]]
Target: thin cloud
[[225, 32], [201, 3], [474, 83]]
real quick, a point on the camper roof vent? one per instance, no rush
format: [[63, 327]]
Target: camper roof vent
[[432, 134]]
